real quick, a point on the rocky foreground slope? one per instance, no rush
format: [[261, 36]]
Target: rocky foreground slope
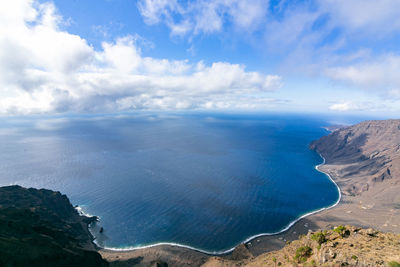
[[42, 228], [341, 246]]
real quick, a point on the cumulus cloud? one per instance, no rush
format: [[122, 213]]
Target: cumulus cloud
[[204, 16], [46, 69]]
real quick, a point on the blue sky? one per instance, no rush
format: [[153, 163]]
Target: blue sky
[[104, 56]]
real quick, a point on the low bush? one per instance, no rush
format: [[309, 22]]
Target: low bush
[[341, 230], [319, 237], [303, 253]]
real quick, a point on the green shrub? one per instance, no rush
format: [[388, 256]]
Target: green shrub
[[394, 264], [354, 257], [319, 237], [302, 253], [341, 230]]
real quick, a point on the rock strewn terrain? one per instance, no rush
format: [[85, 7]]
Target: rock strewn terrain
[[342, 246], [42, 228]]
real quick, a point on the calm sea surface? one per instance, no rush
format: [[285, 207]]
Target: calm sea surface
[[207, 181]]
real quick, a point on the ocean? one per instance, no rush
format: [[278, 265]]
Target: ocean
[[208, 181]]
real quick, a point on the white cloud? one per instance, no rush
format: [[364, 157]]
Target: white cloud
[[123, 56], [339, 39], [46, 69], [347, 41], [344, 106], [370, 16], [362, 105], [381, 74], [354, 20], [154, 10], [204, 16]]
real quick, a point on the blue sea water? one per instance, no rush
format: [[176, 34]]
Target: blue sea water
[[208, 181]]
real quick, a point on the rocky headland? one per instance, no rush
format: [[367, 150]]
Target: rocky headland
[[42, 228]]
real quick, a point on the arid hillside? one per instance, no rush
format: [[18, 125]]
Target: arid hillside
[[341, 246], [363, 155]]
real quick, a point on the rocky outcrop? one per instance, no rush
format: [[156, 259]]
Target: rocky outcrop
[[42, 228], [341, 246]]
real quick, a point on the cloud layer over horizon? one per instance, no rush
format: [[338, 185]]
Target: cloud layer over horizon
[[44, 69], [318, 55]]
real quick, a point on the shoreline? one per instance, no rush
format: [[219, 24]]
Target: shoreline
[[247, 240]]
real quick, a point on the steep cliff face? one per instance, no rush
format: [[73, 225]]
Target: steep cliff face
[[365, 154], [42, 228]]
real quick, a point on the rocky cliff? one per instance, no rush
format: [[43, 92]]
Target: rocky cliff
[[42, 228], [366, 154]]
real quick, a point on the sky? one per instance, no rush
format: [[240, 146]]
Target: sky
[[106, 56]]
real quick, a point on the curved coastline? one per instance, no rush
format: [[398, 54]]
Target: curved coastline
[[215, 253]]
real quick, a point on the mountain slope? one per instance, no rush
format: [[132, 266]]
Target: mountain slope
[[42, 228], [364, 154]]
